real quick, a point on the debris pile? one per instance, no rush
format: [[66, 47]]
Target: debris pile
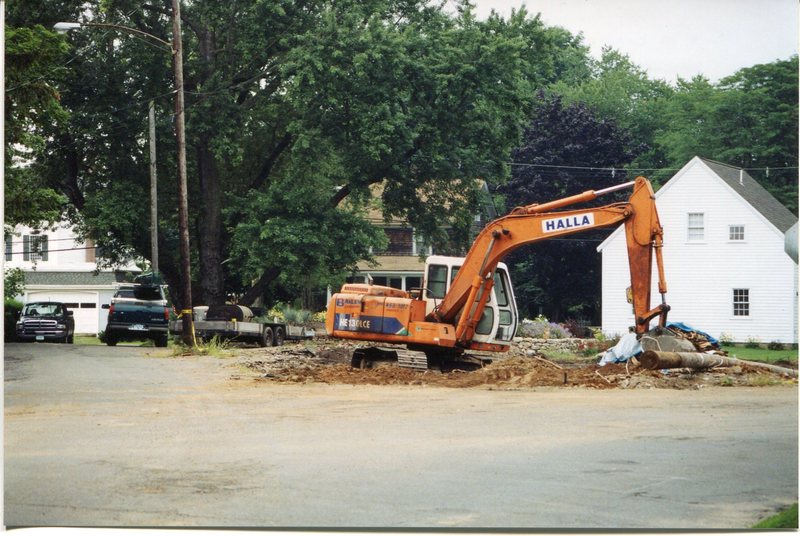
[[328, 361]]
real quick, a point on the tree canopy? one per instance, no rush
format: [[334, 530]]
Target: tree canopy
[[567, 149], [293, 107]]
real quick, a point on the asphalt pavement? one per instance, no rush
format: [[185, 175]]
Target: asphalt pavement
[[130, 436]]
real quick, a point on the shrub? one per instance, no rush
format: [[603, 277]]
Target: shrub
[[577, 328], [297, 317], [11, 315], [542, 329], [276, 312], [725, 339], [752, 342], [775, 345]]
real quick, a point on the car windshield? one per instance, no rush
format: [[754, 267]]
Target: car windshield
[[39, 309]]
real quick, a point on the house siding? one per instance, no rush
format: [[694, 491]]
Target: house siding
[[67, 275], [701, 275]]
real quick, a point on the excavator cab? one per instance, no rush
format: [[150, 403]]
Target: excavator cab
[[499, 320]]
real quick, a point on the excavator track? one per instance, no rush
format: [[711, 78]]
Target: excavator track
[[373, 356]]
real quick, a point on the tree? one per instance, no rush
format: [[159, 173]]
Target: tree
[[749, 119], [323, 97], [621, 91], [31, 101], [567, 149]]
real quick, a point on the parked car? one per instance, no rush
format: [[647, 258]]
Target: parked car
[[46, 321], [138, 312]]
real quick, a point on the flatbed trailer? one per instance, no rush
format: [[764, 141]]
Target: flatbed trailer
[[261, 333]]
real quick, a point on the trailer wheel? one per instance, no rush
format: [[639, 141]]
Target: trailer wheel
[[279, 336], [266, 337]]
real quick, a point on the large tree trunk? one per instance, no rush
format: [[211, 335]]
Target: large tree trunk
[[209, 225]]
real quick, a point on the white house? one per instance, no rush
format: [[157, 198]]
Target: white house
[[60, 268], [724, 259]]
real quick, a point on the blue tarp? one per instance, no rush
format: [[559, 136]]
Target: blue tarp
[[684, 327]]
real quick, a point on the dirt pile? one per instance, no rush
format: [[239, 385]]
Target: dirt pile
[[328, 361]]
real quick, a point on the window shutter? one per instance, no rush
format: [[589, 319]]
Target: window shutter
[[26, 248]]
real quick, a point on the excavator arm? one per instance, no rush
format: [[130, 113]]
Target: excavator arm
[[471, 289]]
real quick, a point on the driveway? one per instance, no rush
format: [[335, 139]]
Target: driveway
[[131, 436]]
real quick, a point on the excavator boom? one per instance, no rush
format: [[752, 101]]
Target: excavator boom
[[382, 314]]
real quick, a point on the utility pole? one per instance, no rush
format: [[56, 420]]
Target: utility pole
[[183, 205], [176, 48], [153, 190]]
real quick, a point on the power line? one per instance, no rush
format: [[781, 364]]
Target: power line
[[623, 169]]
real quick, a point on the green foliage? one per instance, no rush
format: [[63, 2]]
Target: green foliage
[[293, 107], [13, 283], [775, 345], [562, 277], [32, 62], [11, 312], [785, 519], [214, 347], [297, 317], [542, 329], [725, 339], [752, 342]]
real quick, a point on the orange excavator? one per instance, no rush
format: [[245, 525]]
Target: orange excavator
[[467, 303]]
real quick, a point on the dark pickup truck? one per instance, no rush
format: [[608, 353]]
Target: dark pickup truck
[[138, 312], [46, 321]]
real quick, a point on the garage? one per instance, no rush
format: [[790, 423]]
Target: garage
[[84, 306]]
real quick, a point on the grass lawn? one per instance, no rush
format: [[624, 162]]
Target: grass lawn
[[92, 340], [760, 354], [87, 339], [787, 519]]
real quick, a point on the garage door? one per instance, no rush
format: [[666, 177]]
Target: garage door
[[82, 304]]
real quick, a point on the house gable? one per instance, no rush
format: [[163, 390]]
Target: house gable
[[739, 251], [751, 193]]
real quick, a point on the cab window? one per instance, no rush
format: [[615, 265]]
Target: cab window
[[500, 289], [437, 281]]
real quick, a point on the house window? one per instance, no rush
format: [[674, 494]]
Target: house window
[[34, 248], [736, 232], [741, 302], [696, 228], [8, 248], [413, 282], [401, 242], [420, 247]]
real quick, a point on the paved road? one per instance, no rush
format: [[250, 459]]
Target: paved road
[[134, 437]]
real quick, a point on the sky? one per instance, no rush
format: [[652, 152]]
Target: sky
[[674, 38]]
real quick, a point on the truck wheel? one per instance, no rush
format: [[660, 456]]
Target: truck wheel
[[162, 341], [279, 336], [110, 340], [266, 337], [71, 339]]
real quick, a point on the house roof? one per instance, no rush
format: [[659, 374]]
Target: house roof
[[394, 263], [743, 184], [73, 278], [755, 194]]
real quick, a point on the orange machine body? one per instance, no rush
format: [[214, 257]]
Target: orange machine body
[[383, 314]]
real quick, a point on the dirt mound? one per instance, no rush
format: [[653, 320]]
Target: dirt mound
[[329, 362]]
